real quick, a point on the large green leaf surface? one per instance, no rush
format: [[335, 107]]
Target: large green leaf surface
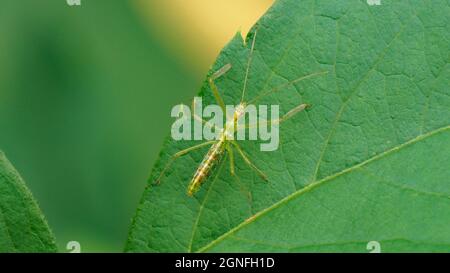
[[22, 225], [370, 161]]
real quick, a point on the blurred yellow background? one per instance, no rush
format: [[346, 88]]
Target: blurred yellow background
[[85, 99], [196, 30]]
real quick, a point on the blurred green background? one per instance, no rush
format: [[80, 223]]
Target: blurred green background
[[85, 99]]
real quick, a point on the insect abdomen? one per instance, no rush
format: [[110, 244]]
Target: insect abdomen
[[210, 161]]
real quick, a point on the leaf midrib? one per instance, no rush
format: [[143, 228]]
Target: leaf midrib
[[323, 181]]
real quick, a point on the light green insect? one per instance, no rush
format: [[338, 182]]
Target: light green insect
[[225, 142]]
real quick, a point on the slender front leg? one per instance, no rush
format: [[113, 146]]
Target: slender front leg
[[214, 88], [206, 123], [180, 154], [248, 161]]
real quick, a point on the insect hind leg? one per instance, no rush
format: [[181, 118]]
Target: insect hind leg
[[231, 156], [249, 162], [243, 189]]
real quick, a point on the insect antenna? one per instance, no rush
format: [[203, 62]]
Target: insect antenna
[[248, 66], [282, 86]]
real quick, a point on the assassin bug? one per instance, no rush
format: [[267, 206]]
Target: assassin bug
[[225, 143]]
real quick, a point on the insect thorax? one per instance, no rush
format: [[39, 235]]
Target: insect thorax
[[232, 123]]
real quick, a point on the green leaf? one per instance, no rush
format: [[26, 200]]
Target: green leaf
[[22, 225], [368, 162]]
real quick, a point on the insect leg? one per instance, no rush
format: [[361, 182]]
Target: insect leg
[[287, 116], [214, 88], [248, 161], [180, 154], [222, 71], [206, 123], [244, 190], [231, 154]]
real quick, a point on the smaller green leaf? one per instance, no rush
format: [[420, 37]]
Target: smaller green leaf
[[22, 225]]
